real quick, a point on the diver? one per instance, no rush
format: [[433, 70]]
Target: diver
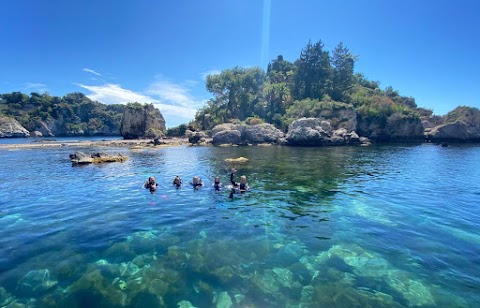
[[177, 181], [238, 187], [196, 182], [151, 184], [216, 183]]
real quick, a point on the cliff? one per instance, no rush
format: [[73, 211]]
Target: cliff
[[142, 121], [10, 128]]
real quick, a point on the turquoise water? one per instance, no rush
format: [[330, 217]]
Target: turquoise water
[[381, 226]]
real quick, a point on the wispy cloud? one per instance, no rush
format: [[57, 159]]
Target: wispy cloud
[[175, 101], [174, 98], [115, 94], [89, 70], [210, 72], [35, 87]]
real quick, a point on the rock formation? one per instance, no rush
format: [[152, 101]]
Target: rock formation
[[317, 132], [10, 128], [142, 121], [461, 124], [245, 134], [80, 158]]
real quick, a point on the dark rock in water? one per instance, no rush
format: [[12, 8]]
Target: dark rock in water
[[450, 131], [36, 283], [142, 121], [80, 158], [444, 144], [10, 128]]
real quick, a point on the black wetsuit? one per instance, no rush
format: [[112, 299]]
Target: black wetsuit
[[217, 185]]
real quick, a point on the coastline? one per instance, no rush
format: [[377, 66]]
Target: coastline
[[128, 143]]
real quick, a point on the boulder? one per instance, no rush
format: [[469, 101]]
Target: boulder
[[226, 126], [80, 158], [261, 133], [309, 132], [315, 132], [457, 130], [10, 128], [400, 127], [142, 121], [36, 134], [196, 137], [227, 137]]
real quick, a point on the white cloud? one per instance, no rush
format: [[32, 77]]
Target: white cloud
[[175, 101], [89, 70], [210, 72], [35, 87], [115, 94]]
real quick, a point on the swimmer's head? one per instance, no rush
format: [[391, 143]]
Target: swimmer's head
[[151, 179], [243, 179]]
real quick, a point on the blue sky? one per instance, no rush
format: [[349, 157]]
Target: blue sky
[[160, 51]]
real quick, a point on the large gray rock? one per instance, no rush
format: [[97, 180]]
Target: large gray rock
[[10, 128], [228, 133], [309, 132], [142, 121], [262, 133], [316, 132], [226, 126], [450, 131], [227, 137], [400, 127]]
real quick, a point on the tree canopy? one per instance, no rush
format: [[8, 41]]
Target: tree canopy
[[316, 81]]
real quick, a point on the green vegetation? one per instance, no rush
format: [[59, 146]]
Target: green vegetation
[[314, 85], [71, 114]]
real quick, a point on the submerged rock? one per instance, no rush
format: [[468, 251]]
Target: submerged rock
[[185, 304], [370, 265], [223, 300], [237, 160], [36, 283], [5, 297]]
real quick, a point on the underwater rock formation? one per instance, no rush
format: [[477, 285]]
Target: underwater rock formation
[[36, 282]]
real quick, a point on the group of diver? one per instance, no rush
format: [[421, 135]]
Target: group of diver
[[197, 182]]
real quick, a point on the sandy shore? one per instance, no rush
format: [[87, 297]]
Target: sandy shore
[[140, 143]]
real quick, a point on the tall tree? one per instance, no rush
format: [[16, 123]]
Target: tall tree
[[239, 89], [313, 74], [343, 63]]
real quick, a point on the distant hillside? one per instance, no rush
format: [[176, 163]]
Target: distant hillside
[[71, 115]]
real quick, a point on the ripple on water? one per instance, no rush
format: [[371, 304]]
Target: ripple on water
[[322, 226]]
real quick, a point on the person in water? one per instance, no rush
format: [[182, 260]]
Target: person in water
[[177, 181], [238, 187], [151, 184], [196, 182], [216, 183]]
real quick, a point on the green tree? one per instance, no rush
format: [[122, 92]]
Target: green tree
[[343, 63], [313, 75]]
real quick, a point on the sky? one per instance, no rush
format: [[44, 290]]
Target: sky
[[118, 51]]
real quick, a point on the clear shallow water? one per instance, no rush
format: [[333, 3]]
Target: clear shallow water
[[385, 226]]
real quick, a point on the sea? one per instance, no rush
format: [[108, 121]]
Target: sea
[[381, 226]]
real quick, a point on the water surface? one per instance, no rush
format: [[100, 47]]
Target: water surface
[[385, 226]]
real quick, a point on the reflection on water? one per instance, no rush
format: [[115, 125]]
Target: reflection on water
[[381, 226]]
